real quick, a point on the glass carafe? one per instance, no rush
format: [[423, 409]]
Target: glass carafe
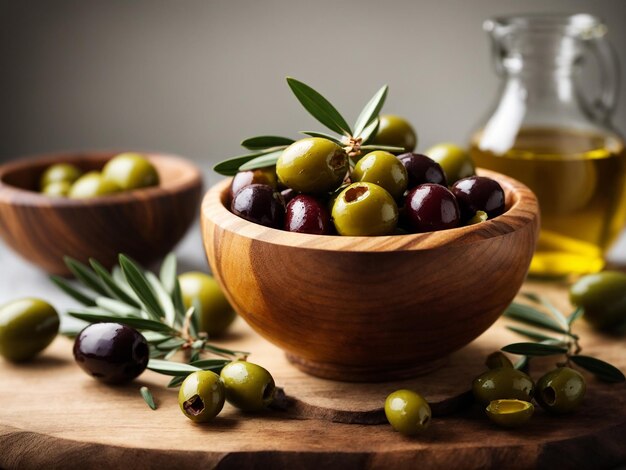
[[545, 132]]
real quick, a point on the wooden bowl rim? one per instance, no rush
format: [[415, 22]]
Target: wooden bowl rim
[[523, 210], [190, 179]]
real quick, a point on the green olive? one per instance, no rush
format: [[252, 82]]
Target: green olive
[[455, 162], [502, 383], [249, 386], [57, 189], [201, 396], [312, 165], [92, 184], [216, 313], [27, 327], [498, 359], [603, 298], [510, 413], [365, 209], [59, 172], [480, 216], [130, 171], [407, 412], [383, 169], [395, 131], [561, 390]]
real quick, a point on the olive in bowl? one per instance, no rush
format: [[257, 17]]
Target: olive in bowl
[[427, 285], [145, 223]]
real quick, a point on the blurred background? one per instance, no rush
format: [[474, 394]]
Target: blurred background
[[194, 77]]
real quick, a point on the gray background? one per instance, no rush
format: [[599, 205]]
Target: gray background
[[195, 77]]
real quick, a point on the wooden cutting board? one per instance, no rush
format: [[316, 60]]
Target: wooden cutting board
[[53, 415]]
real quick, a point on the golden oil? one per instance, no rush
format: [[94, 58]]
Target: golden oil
[[580, 181]]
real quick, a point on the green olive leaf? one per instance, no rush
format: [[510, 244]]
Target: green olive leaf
[[95, 315], [176, 381], [155, 338], [263, 161], [168, 273], [116, 290], [555, 312], [140, 285], [319, 107], [266, 141], [85, 275], [323, 135], [225, 352], [171, 368], [73, 292], [119, 308], [386, 148], [147, 397], [214, 365], [602, 370], [164, 299], [576, 314], [371, 110], [370, 131], [536, 335], [177, 298], [532, 316], [231, 166], [534, 349]]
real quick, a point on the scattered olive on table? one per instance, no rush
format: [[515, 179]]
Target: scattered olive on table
[[201, 396], [216, 314], [603, 299], [509, 413], [561, 391], [124, 172], [395, 131], [111, 352], [502, 383], [408, 412], [27, 327], [248, 386], [498, 359]]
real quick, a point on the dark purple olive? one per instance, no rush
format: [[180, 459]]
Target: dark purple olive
[[478, 193], [261, 204], [430, 207], [288, 194], [305, 214], [422, 169], [111, 352], [246, 178]]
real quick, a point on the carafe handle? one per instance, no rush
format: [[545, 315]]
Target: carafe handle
[[605, 103]]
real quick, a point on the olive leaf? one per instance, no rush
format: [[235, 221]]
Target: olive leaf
[[534, 349], [231, 166], [163, 298], [85, 275], [140, 285], [386, 148], [148, 398], [119, 308], [262, 161], [168, 273], [536, 335], [575, 315], [531, 316], [171, 368], [371, 110], [319, 107], [92, 315], [602, 370], [116, 290], [176, 381], [322, 135], [266, 141], [72, 292], [370, 131]]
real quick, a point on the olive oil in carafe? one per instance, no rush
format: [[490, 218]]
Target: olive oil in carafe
[[579, 179]]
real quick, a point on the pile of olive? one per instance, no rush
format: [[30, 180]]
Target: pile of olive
[[507, 392], [313, 190], [125, 172]]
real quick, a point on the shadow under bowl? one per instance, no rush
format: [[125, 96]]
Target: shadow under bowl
[[371, 308], [144, 223]]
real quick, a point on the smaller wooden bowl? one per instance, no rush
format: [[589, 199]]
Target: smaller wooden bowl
[[144, 224], [371, 308]]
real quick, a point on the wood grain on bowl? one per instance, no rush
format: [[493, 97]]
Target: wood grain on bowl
[[371, 308], [145, 223]]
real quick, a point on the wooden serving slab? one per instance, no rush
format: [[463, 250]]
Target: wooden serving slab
[[53, 415]]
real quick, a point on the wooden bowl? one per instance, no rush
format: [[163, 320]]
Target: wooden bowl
[[371, 308], [144, 223]]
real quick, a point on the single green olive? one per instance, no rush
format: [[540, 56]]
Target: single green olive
[[131, 171], [455, 162], [603, 298], [509, 413], [27, 327], [502, 383], [57, 189], [312, 165], [201, 396], [249, 386], [59, 172], [407, 412], [480, 216], [498, 359], [365, 209], [216, 313], [92, 184], [385, 170], [561, 391], [395, 131]]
